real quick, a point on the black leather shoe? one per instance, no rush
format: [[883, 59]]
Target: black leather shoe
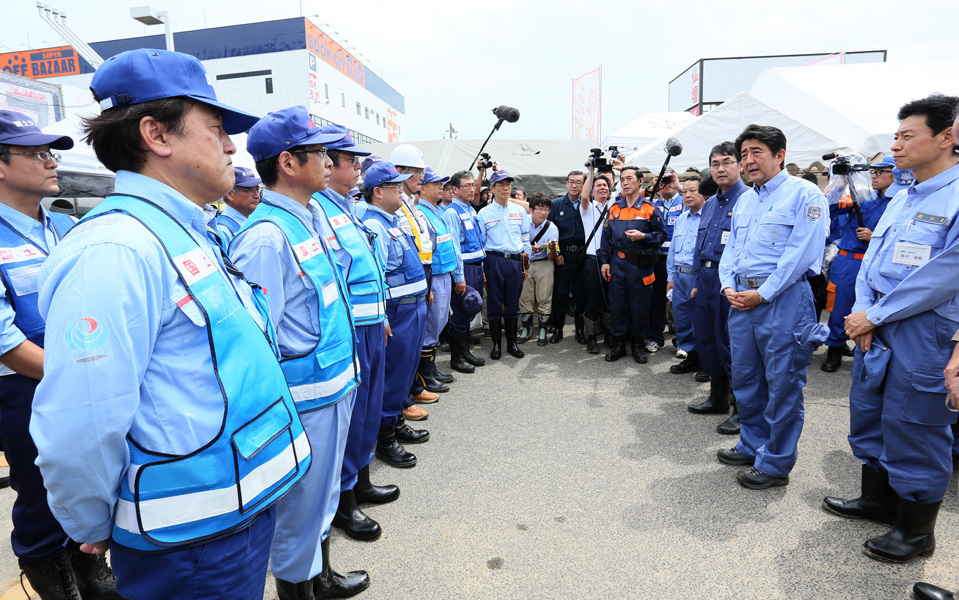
[[496, 335], [365, 491], [927, 591], [847, 351], [558, 324], [734, 457], [718, 400], [833, 359], [94, 577], [877, 502], [509, 327], [755, 479], [389, 450], [912, 536], [592, 346], [407, 435], [702, 377], [731, 425], [638, 354], [52, 576], [330, 584], [617, 352], [689, 364], [353, 521]]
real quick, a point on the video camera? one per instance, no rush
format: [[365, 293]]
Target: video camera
[[485, 161], [597, 161], [844, 165]]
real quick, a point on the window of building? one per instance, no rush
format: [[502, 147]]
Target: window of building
[[377, 118], [326, 90], [367, 109], [269, 85], [358, 109], [343, 96]]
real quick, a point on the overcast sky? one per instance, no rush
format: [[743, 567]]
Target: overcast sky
[[454, 62]]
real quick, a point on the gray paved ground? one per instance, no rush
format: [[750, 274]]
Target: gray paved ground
[[563, 476]]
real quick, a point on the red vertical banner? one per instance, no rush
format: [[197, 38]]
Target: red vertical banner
[[587, 101]]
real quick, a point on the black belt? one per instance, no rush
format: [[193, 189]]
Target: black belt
[[538, 259], [686, 270], [710, 264], [503, 254]]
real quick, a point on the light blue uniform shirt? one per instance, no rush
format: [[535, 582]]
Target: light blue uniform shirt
[[920, 220], [685, 234], [438, 211], [551, 235], [505, 228], [778, 232], [151, 377], [224, 231], [43, 236]]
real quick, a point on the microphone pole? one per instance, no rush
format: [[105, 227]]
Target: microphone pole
[[503, 113], [673, 148], [483, 147]]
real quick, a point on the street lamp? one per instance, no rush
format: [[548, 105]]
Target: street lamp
[[149, 16]]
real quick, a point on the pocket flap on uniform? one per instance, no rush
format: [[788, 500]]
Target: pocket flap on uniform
[[364, 288], [255, 435], [929, 381], [778, 218], [335, 354]]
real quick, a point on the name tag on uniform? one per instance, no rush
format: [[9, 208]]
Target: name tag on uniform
[[340, 221], [911, 254], [329, 294], [194, 266], [725, 238], [307, 249], [927, 218], [467, 223]]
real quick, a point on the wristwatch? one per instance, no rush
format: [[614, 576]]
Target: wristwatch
[[762, 300]]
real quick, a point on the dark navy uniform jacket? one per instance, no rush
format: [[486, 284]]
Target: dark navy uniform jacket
[[845, 222], [714, 227], [642, 216], [565, 215]]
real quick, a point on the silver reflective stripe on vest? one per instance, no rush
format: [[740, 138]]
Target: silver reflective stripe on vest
[[373, 309], [322, 389], [472, 255], [410, 289], [179, 510]]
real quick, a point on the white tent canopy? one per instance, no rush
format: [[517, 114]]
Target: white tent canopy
[[646, 129], [804, 143]]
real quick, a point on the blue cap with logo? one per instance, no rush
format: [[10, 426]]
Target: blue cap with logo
[[246, 177], [499, 176], [346, 143], [144, 75], [382, 173], [472, 300], [369, 162], [283, 130], [902, 179], [429, 176], [17, 129], [886, 163]]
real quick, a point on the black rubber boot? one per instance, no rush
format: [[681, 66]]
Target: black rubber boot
[[580, 328], [730, 426], [618, 350], [437, 374], [927, 591], [94, 577], [457, 361], [689, 365], [496, 336], [424, 374], [638, 354], [558, 322], [543, 340], [833, 359], [468, 356], [877, 502], [718, 400], [592, 346], [330, 584], [353, 521], [444, 341], [389, 450], [510, 325], [52, 577], [286, 590], [912, 536], [365, 491], [526, 331]]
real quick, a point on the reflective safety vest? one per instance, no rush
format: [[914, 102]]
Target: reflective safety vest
[[424, 245], [330, 370], [472, 248], [365, 281], [444, 256], [20, 262], [409, 279], [228, 222], [261, 450]]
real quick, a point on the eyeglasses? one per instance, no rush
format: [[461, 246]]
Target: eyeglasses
[[320, 151], [879, 171], [43, 155], [725, 164], [256, 190], [571, 182]]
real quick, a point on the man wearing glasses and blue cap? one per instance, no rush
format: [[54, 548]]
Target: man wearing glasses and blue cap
[[240, 203], [280, 247], [28, 233], [168, 431]]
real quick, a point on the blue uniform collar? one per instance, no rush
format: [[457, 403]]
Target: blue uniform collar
[[461, 204], [936, 183], [183, 210], [21, 222], [392, 218], [734, 192], [773, 184], [339, 200], [291, 206], [234, 214]]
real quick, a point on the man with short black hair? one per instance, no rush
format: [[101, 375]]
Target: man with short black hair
[[564, 213], [777, 236]]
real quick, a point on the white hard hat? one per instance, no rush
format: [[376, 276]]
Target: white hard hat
[[408, 155]]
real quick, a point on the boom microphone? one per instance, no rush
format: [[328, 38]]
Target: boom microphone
[[506, 113], [674, 147], [830, 156]]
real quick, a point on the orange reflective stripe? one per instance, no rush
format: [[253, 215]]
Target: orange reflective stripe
[[856, 256], [649, 280], [830, 296]]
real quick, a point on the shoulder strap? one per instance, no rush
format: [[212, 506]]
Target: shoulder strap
[[599, 222], [541, 232]]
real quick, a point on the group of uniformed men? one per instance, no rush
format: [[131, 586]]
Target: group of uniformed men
[[222, 381]]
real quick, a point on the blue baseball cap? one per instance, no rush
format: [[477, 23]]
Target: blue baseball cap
[[874, 364], [145, 75], [17, 129], [283, 130], [886, 163], [246, 177], [902, 179], [355, 192], [369, 162], [429, 176], [498, 176], [382, 173], [472, 300], [346, 143]]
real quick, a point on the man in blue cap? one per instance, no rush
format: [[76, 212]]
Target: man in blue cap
[[853, 241], [167, 387], [28, 233], [907, 295], [406, 305], [281, 248], [352, 244], [240, 203], [505, 233]]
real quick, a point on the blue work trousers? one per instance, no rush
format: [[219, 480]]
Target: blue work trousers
[[461, 318], [682, 310], [710, 313], [504, 284], [842, 290], [402, 355], [230, 568], [657, 304], [368, 406], [629, 299], [304, 514], [770, 372], [438, 313], [36, 533], [906, 429]]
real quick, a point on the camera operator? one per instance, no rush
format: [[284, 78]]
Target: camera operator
[[565, 215], [596, 317]]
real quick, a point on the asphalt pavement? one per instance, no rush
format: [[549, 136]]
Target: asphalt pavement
[[560, 475]]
